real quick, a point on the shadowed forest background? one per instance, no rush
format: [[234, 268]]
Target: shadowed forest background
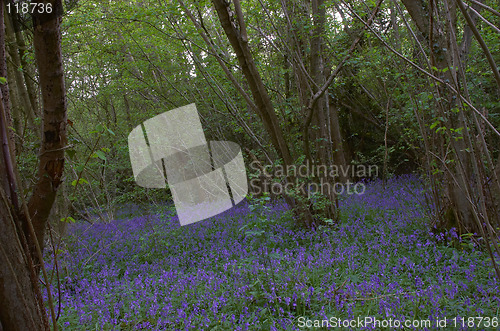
[[410, 88]]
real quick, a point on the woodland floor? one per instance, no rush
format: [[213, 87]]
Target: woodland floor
[[147, 272]]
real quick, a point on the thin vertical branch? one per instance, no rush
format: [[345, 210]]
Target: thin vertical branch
[[6, 153], [481, 42]]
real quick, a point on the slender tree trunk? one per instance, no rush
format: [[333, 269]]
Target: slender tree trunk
[[21, 303], [496, 191], [239, 42], [4, 88], [264, 108], [47, 42], [321, 109], [22, 100], [16, 108], [460, 179], [21, 306]]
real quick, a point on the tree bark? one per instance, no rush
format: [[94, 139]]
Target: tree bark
[[326, 154], [22, 100], [263, 105], [16, 108], [265, 109], [460, 181], [47, 42], [19, 302], [5, 87]]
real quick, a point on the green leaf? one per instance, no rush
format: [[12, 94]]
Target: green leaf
[[80, 181], [276, 256], [68, 219], [71, 153], [99, 154], [3, 80], [243, 227]]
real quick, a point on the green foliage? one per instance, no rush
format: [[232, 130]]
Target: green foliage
[[126, 63], [68, 219], [260, 227]]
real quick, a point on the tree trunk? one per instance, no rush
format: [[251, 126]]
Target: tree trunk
[[21, 307], [239, 42], [496, 192], [20, 296], [23, 101], [461, 181], [264, 108], [326, 155], [4, 88], [16, 108], [47, 42]]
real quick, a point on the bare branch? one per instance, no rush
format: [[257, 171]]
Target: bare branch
[[480, 40], [416, 66]]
